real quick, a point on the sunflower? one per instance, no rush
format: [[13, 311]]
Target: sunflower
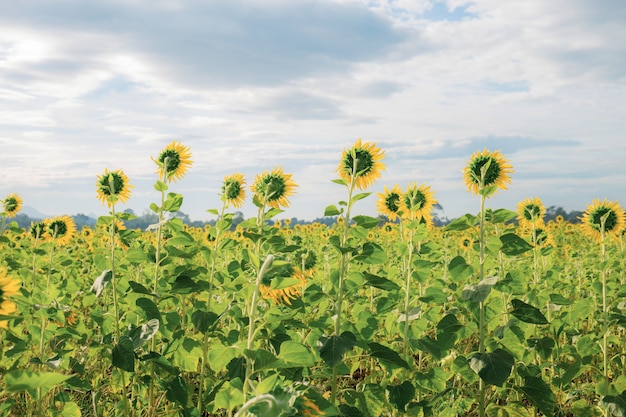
[[233, 191], [8, 287], [112, 187], [61, 229], [465, 243], [173, 161], [417, 202], [273, 188], [38, 230], [284, 295], [12, 204], [531, 212], [361, 164], [389, 202], [496, 173], [602, 219]]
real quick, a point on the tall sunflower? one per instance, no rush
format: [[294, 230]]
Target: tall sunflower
[[530, 213], [8, 287], [389, 202], [61, 229], [38, 230], [361, 163], [273, 188], [602, 219], [417, 202], [496, 168], [233, 191], [12, 204], [112, 187], [173, 161]]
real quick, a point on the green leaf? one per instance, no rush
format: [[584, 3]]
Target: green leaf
[[494, 367], [434, 380], [70, 409], [295, 354], [387, 355], [135, 255], [35, 383], [543, 346], [273, 212], [380, 282], [400, 395], [139, 288], [188, 355], [615, 404], [123, 356], [527, 313], [173, 202], [176, 391], [560, 300], [479, 292], [461, 223], [101, 282], [141, 334], [510, 410], [160, 186], [366, 222], [539, 393], [332, 210], [149, 308], [360, 196], [203, 320], [459, 268], [371, 254], [334, 347], [502, 216], [513, 245]]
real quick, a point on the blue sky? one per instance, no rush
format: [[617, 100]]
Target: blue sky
[[250, 85]]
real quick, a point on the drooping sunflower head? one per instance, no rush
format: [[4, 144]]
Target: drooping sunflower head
[[61, 229], [38, 230], [361, 164], [173, 161], [487, 172], [389, 202], [112, 187], [233, 190], [272, 188], [530, 212], [417, 202], [603, 218], [12, 204]]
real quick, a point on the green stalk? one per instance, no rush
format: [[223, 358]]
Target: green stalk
[[481, 315], [407, 295]]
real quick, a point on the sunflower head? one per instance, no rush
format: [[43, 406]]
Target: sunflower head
[[530, 213], [272, 188], [8, 287], [233, 190], [283, 294], [603, 218], [61, 229], [487, 172], [112, 187], [12, 204], [38, 230], [417, 202], [361, 164], [173, 161], [389, 202], [465, 243]]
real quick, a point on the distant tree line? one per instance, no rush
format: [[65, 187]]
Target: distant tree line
[[148, 218]]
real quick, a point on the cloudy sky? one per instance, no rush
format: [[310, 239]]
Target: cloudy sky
[[251, 85]]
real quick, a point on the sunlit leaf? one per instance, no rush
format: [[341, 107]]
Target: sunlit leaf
[[494, 367]]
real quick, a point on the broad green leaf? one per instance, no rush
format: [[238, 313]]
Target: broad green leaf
[[220, 356], [479, 292], [139, 288], [123, 355], [494, 367], [560, 300], [538, 393], [160, 186], [176, 391], [273, 212], [334, 347], [380, 282], [513, 245], [400, 395], [447, 329], [229, 396], [375, 399], [527, 313], [295, 354], [202, 320], [371, 254], [459, 268], [135, 255], [615, 404], [70, 409], [502, 216], [430, 345], [360, 196], [433, 380], [366, 222], [461, 223], [542, 345], [332, 210], [188, 355], [509, 410], [151, 311], [387, 355], [35, 383], [173, 202]]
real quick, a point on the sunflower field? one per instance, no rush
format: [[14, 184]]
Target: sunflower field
[[496, 314]]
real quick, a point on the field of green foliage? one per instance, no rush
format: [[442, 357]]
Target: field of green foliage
[[496, 314]]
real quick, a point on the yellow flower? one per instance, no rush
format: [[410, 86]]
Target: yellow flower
[[602, 219], [8, 287], [12, 204], [417, 202], [465, 242], [233, 191], [308, 408], [496, 173], [273, 188], [173, 161], [61, 229], [530, 213], [112, 187], [286, 294], [389, 202], [361, 164]]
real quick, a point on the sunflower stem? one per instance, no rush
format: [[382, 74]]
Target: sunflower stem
[[481, 313]]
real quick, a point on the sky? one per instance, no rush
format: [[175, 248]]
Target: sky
[[251, 85]]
